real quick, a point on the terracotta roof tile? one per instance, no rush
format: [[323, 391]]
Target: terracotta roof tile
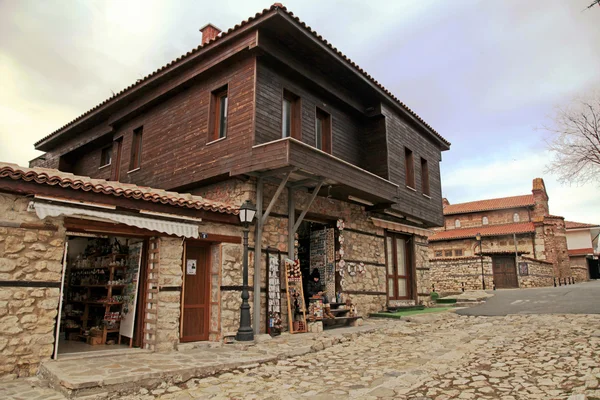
[[54, 177], [491, 204], [273, 8], [489, 230], [579, 225], [580, 252]]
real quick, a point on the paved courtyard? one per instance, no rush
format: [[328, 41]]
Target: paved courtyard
[[443, 356]]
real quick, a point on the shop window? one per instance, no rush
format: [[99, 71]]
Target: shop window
[[291, 116], [458, 253], [136, 149], [409, 166], [218, 116], [516, 217], [439, 253], [424, 177], [399, 266], [105, 156], [484, 221], [457, 223], [448, 253], [323, 131]]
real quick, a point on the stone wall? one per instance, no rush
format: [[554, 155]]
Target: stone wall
[[169, 302], [555, 242], [495, 217], [27, 314], [453, 274], [579, 268], [495, 244], [540, 273]]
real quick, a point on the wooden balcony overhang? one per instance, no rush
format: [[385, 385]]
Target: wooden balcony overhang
[[308, 164]]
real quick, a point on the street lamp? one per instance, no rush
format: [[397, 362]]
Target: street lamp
[[245, 332], [478, 237]]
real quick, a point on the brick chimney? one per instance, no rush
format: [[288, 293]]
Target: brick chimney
[[209, 32], [540, 198]]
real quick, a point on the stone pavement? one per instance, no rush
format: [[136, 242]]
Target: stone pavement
[[433, 356], [442, 356], [27, 389]]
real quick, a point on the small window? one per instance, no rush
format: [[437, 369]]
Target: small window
[[448, 253], [291, 116], [409, 166], [136, 149], [218, 117], [424, 177], [323, 131], [106, 156], [458, 253], [516, 217], [484, 221], [457, 223], [118, 147], [439, 253]]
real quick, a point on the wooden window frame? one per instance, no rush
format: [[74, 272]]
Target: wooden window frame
[[457, 223], [105, 150], [215, 129], [409, 168], [323, 119], [485, 220], [458, 253], [295, 124], [135, 162], [447, 253], [408, 266], [425, 188], [440, 252], [117, 154]]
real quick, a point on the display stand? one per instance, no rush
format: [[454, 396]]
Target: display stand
[[295, 297], [315, 309], [274, 326]]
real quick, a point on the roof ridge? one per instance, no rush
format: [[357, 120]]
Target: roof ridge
[[274, 7], [492, 199]]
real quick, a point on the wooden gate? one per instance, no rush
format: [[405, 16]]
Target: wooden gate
[[196, 295], [505, 272]]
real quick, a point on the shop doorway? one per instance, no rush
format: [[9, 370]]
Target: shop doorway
[[317, 249], [505, 272], [196, 293], [594, 268], [100, 293]]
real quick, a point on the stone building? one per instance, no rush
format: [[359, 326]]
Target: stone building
[[584, 249], [344, 176], [522, 244]]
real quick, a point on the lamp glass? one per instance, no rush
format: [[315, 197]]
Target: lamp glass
[[247, 212], [478, 236]]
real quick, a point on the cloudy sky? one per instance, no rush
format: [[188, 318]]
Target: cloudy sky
[[484, 73]]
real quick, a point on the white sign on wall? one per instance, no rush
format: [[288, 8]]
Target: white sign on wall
[[191, 267]]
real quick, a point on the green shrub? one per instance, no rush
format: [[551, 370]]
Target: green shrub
[[434, 296]]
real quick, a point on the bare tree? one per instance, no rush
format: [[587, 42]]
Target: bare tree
[[575, 142]]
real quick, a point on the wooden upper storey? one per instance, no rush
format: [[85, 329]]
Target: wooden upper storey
[[161, 132]]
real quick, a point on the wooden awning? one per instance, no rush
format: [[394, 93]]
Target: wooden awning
[[402, 228]]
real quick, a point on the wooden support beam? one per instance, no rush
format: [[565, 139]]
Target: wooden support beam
[[275, 197], [291, 216], [258, 229], [301, 217]]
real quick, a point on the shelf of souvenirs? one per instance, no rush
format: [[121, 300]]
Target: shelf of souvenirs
[[113, 260], [97, 303], [100, 285]]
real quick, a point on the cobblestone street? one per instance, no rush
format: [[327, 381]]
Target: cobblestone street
[[513, 357]]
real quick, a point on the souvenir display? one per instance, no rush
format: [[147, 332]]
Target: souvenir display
[[295, 297], [274, 324]]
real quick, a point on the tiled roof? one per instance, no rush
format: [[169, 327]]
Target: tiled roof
[[489, 230], [579, 225], [491, 204], [580, 252], [53, 177], [274, 8]]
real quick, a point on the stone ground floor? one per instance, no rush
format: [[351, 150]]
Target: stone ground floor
[[434, 356]]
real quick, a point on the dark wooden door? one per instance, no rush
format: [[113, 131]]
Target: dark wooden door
[[505, 272], [399, 267], [196, 294]]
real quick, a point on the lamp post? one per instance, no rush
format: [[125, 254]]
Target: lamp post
[[478, 237], [245, 332]]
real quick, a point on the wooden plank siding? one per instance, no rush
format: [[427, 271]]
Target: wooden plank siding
[[348, 129], [400, 135]]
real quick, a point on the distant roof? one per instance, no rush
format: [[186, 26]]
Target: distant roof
[[54, 177], [488, 230], [580, 252], [579, 225], [274, 8], [490, 204]]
